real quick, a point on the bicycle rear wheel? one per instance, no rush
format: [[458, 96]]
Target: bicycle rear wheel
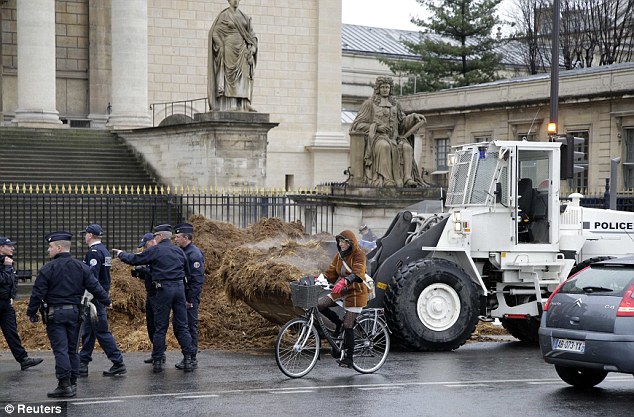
[[297, 348], [371, 344]]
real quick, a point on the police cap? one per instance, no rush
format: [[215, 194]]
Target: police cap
[[162, 228], [6, 241], [55, 236], [184, 228], [145, 239], [95, 229]]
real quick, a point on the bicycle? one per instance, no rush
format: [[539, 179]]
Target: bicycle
[[298, 344]]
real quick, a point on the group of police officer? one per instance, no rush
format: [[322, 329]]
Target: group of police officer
[[174, 278], [173, 275]]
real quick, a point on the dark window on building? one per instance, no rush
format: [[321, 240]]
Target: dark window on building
[[442, 162], [442, 153], [628, 164], [579, 183]]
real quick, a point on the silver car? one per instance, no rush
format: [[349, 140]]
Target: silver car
[[587, 328]]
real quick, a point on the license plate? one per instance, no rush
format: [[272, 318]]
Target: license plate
[[569, 345]]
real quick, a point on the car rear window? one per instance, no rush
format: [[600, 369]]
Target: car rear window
[[614, 280]]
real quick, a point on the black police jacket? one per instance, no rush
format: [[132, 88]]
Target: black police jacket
[[8, 282], [196, 262], [167, 261], [143, 273], [62, 281], [100, 261]]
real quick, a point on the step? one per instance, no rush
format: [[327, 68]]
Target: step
[[54, 158], [69, 156]]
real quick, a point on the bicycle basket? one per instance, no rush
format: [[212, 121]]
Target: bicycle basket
[[305, 296]]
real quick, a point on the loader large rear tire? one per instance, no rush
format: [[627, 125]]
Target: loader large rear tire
[[526, 330], [432, 305]]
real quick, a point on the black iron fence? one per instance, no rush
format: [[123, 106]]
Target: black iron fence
[[28, 214]]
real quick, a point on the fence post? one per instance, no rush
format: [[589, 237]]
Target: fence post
[[606, 194], [614, 162], [310, 226]]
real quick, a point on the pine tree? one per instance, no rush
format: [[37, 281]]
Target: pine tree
[[456, 46]]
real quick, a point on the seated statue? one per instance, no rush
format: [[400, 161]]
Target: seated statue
[[389, 156]]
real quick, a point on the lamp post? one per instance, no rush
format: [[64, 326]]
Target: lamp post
[[554, 73]]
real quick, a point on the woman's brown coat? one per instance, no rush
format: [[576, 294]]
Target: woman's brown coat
[[356, 293]]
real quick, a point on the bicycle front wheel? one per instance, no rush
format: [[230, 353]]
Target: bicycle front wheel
[[297, 348], [371, 344]]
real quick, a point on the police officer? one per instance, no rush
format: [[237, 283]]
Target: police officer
[[8, 290], [367, 234], [170, 270], [143, 272], [183, 238], [60, 285], [100, 261]]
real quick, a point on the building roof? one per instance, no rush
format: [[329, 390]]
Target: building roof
[[380, 41], [371, 40]]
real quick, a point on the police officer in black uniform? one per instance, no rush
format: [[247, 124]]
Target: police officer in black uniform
[[8, 290], [170, 271], [143, 272], [60, 286], [184, 233], [100, 261]]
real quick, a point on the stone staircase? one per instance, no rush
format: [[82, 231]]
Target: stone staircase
[[69, 157]]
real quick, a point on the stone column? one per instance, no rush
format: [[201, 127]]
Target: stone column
[[329, 75], [129, 65], [1, 71], [36, 64], [329, 146], [99, 68]]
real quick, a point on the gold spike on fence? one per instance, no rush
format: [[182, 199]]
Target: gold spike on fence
[[127, 189]]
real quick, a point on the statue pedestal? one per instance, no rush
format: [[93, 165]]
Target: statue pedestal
[[374, 206], [217, 149]]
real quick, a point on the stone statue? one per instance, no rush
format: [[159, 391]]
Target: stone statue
[[389, 156], [232, 57]]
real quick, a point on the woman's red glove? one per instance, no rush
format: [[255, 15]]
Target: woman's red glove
[[339, 286]]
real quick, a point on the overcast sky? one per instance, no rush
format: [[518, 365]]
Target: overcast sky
[[392, 14]]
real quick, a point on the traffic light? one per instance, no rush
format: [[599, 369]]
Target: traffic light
[[569, 155]]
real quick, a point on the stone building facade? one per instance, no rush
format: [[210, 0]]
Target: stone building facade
[[96, 63], [594, 103]]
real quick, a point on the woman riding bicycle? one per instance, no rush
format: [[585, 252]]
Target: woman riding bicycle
[[347, 272]]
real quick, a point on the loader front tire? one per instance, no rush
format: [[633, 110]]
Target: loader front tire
[[432, 305]]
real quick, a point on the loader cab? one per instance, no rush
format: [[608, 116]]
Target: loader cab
[[511, 187], [532, 197], [534, 176]]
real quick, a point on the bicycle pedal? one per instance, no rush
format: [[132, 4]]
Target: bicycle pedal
[[344, 364]]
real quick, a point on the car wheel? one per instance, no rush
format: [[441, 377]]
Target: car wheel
[[432, 305], [580, 378]]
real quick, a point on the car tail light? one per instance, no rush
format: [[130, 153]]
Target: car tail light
[[626, 308], [553, 294]]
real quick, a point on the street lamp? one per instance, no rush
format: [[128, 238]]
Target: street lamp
[[554, 73]]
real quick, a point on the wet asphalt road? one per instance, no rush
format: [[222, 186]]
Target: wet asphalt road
[[480, 379]]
